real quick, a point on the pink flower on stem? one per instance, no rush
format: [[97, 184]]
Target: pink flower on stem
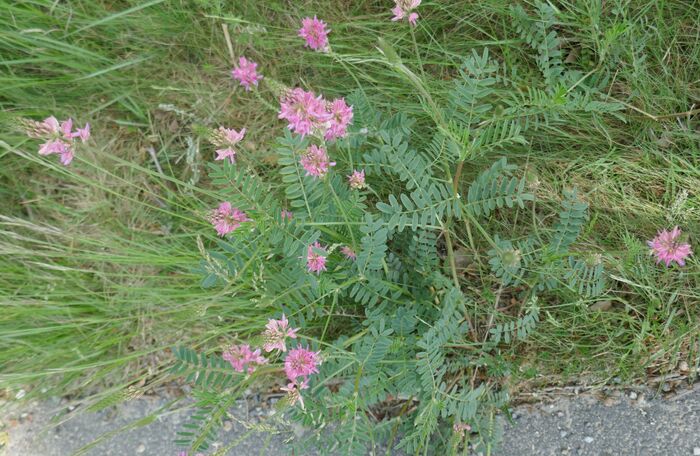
[[246, 73], [288, 215], [315, 260], [305, 112], [58, 136], [301, 362], [67, 128], [315, 161], [82, 133], [227, 139], [293, 390], [54, 146], [667, 247], [226, 218], [241, 357], [315, 33], [340, 117], [276, 333], [349, 253], [357, 179], [39, 130], [67, 156], [403, 9]]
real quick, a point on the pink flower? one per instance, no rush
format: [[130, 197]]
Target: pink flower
[[58, 136], [349, 253], [315, 33], [82, 133], [241, 357], [288, 215], [276, 333], [315, 161], [357, 179], [54, 146], [226, 139], [301, 362], [51, 124], [67, 128], [403, 10], [305, 112], [227, 218], [340, 118], [293, 390], [67, 156], [315, 262], [668, 248], [398, 13], [246, 73]]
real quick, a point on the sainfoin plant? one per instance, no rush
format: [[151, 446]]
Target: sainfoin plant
[[376, 248]]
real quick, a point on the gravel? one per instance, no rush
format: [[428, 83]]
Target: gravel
[[636, 423]]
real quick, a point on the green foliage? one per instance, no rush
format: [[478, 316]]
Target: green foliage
[[539, 34], [209, 372], [496, 188], [585, 276], [517, 329], [408, 345], [572, 217], [505, 261]]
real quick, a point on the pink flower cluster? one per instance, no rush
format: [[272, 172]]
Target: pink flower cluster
[[300, 362], [315, 161], [276, 333], [309, 114], [315, 258], [59, 137], [315, 33], [357, 179], [227, 218], [340, 118], [299, 365], [242, 357], [226, 139], [668, 248], [404, 10], [287, 215], [349, 253], [246, 73]]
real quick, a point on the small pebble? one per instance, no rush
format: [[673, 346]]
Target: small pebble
[[588, 439], [563, 434], [696, 451], [633, 395], [228, 425], [683, 366], [141, 448]]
